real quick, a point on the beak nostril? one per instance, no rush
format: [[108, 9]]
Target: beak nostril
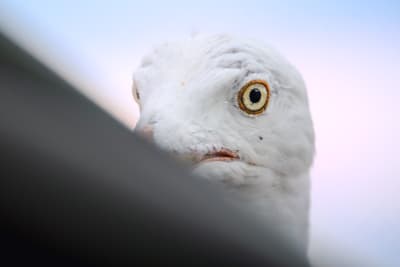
[[147, 132]]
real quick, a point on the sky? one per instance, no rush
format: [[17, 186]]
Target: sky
[[347, 51]]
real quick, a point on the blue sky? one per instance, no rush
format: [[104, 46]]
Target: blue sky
[[347, 51]]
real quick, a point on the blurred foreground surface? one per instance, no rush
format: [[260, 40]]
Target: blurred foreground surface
[[78, 188]]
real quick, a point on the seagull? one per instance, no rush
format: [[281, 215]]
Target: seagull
[[238, 111]]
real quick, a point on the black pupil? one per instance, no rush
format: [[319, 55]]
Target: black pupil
[[255, 95]]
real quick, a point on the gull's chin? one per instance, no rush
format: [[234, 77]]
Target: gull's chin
[[227, 171]]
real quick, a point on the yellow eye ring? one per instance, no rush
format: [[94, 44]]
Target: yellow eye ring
[[254, 96]]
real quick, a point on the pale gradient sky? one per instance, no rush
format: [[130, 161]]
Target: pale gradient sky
[[348, 53]]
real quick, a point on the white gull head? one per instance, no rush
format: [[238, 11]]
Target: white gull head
[[239, 112]]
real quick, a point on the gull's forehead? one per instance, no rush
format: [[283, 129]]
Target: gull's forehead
[[199, 60], [195, 54], [211, 63]]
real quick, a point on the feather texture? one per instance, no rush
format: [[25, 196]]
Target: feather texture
[[188, 96]]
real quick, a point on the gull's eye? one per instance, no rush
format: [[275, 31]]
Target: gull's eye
[[253, 97], [135, 93]]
